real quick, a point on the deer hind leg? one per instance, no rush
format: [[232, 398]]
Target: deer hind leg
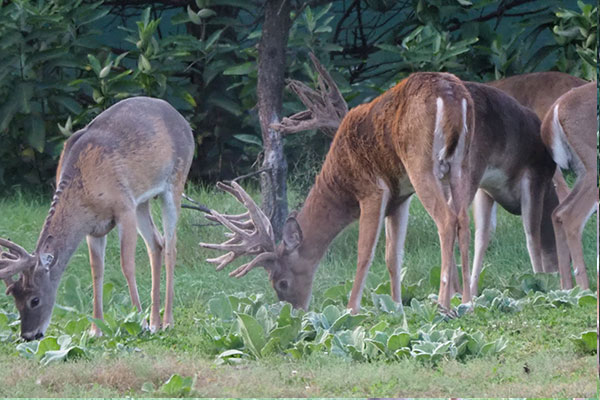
[[128, 237], [154, 245], [532, 196], [372, 211], [571, 215], [429, 191], [97, 248], [562, 189], [171, 205], [483, 209], [395, 236]]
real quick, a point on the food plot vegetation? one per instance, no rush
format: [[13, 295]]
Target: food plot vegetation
[[523, 336]]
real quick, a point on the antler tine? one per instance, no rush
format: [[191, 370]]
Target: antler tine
[[251, 232], [13, 262], [259, 259], [257, 216], [14, 248], [325, 108]]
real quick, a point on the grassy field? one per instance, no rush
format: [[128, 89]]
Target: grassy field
[[539, 360]]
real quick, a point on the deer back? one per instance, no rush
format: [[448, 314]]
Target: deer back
[[381, 138], [538, 90]]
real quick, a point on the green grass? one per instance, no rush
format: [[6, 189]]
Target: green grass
[[540, 360]]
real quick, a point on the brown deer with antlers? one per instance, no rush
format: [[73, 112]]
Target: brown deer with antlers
[[507, 159], [569, 130], [137, 149], [413, 138]]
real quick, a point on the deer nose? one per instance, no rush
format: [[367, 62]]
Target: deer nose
[[29, 336]]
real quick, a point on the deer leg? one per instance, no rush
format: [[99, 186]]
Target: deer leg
[[571, 215], [436, 204], [395, 236], [550, 247], [372, 211], [154, 245], [128, 238], [562, 189], [97, 247], [483, 209], [171, 204], [532, 196]]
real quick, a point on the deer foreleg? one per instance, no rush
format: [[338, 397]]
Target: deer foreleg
[[97, 247], [372, 211]]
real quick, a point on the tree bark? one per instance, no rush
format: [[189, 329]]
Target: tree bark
[[270, 85]]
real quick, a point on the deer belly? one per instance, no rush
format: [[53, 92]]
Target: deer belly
[[496, 183]]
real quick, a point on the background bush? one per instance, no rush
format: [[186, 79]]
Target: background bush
[[64, 61]]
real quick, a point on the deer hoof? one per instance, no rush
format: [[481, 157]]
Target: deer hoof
[[95, 331]]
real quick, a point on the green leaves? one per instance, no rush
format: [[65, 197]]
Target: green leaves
[[51, 349], [586, 342]]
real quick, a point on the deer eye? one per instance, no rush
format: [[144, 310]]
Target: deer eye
[[34, 302], [282, 284]]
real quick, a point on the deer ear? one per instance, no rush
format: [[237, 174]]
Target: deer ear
[[292, 233], [46, 260]]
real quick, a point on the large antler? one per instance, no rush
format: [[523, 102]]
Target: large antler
[[251, 233], [14, 261], [326, 107]]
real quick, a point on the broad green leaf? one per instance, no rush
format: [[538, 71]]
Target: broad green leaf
[[252, 333], [397, 341], [177, 385], [250, 139], [206, 13], [94, 63], [220, 307], [587, 342], [36, 135], [241, 69], [193, 16], [144, 64]]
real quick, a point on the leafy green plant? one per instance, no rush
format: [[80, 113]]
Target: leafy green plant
[[576, 32], [175, 386], [586, 342], [52, 349]]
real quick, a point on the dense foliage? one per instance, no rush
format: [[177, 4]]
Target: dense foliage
[[65, 61]]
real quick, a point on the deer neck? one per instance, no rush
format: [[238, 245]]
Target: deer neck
[[66, 225], [326, 212]]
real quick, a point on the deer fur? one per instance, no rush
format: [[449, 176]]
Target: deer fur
[[511, 166], [138, 149], [569, 130], [413, 138]]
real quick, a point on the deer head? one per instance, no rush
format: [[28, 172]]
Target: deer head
[[34, 291], [290, 273]]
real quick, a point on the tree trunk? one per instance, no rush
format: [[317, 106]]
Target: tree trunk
[[271, 70]]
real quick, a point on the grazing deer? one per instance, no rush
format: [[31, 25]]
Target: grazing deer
[[536, 91], [413, 138], [107, 173], [513, 168], [569, 131]]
